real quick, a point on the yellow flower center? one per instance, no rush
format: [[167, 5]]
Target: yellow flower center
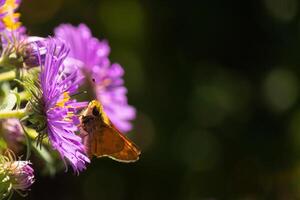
[[61, 103], [11, 19], [66, 97]]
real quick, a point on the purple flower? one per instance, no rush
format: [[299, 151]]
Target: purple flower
[[89, 50], [11, 28], [21, 175], [15, 175], [105, 77], [58, 108]]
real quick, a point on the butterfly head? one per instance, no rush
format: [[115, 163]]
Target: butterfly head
[[95, 110]]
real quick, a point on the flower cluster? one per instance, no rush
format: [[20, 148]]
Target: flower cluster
[[41, 112], [105, 77]]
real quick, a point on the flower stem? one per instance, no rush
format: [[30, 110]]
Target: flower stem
[[33, 135], [12, 114], [6, 62], [24, 95], [6, 76], [31, 132]]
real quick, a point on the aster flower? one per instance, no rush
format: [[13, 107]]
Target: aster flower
[[89, 50], [15, 175], [52, 105], [12, 31], [106, 78], [12, 34]]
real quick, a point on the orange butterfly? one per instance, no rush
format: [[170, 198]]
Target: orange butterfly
[[102, 138]]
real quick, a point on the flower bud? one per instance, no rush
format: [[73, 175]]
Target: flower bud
[[14, 175]]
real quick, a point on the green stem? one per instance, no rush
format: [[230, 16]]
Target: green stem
[[24, 95], [7, 76], [33, 135], [5, 61], [12, 114], [28, 143], [31, 132]]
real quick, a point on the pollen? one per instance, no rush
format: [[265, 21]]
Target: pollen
[[10, 19], [66, 97]]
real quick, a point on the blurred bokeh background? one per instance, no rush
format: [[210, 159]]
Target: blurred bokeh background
[[216, 85]]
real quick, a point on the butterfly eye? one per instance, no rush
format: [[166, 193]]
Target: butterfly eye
[[86, 119], [96, 111]]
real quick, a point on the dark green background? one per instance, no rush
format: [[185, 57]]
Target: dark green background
[[216, 87]]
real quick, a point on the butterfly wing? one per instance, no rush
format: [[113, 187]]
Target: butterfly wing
[[111, 143]]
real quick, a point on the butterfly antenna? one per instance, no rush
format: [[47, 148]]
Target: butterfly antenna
[[79, 93]]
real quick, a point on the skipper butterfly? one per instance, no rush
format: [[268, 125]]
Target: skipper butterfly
[[102, 138]]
